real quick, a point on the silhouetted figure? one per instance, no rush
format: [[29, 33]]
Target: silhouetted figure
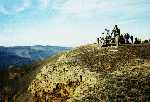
[[107, 37], [145, 41], [115, 31], [122, 41], [137, 41], [131, 37], [102, 39], [126, 37], [107, 31], [116, 34], [98, 40]]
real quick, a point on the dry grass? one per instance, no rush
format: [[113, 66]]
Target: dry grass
[[127, 85], [93, 74]]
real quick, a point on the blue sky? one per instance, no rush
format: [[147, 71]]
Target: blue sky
[[69, 22]]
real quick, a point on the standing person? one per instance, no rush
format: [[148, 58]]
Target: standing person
[[128, 36], [122, 40], [125, 37], [131, 37], [107, 37], [116, 32], [98, 40]]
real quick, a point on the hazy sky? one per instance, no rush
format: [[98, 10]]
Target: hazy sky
[[69, 22]]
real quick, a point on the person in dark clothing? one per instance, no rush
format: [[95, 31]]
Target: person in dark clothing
[[131, 37], [126, 37], [107, 37], [122, 41], [116, 32], [137, 41]]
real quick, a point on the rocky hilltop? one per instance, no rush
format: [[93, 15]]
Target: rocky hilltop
[[94, 74]]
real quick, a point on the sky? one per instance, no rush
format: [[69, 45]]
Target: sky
[[70, 22]]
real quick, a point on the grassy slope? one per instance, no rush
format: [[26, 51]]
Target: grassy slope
[[31, 71], [14, 82], [91, 73]]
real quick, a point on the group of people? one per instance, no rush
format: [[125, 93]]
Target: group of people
[[126, 39], [115, 37]]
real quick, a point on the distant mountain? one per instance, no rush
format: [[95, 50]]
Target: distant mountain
[[20, 55]]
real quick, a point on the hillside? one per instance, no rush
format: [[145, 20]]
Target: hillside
[[93, 74], [21, 55]]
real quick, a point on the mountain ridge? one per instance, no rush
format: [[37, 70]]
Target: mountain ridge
[[19, 55]]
